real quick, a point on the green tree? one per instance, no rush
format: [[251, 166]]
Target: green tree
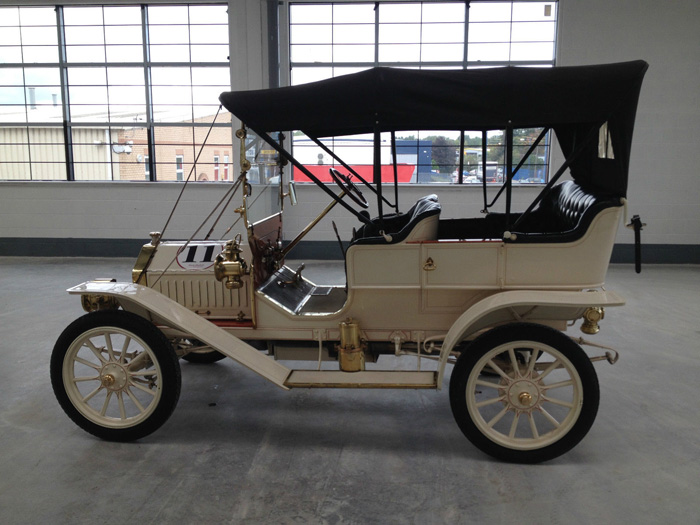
[[444, 155]]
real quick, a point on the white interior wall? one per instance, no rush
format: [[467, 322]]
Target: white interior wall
[[663, 187], [664, 156]]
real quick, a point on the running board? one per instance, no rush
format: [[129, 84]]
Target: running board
[[157, 307], [363, 379]]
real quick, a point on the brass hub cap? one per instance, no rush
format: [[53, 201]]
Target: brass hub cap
[[113, 377], [523, 395]]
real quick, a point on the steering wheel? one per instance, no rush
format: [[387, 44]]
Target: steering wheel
[[349, 187]]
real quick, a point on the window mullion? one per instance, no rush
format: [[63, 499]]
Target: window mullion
[[63, 74], [376, 33], [465, 48], [150, 131]]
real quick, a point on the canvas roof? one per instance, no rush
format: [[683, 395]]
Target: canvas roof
[[574, 101]]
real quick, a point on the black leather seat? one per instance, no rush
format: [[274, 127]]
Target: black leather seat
[[399, 226], [564, 215]]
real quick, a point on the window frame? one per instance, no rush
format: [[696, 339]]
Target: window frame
[[288, 64], [71, 164]]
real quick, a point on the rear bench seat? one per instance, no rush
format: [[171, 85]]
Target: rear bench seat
[[564, 215]]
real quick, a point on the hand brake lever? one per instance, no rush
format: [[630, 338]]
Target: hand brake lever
[[294, 280]]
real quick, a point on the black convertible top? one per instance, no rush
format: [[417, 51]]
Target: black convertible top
[[574, 101]]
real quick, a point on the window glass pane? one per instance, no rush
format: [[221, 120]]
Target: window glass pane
[[399, 53], [9, 35], [206, 95], [9, 17], [534, 170], [85, 54], [306, 34], [87, 76], [92, 154], [396, 13], [442, 52], [170, 53], [10, 55], [82, 35], [37, 16], [209, 34], [43, 95], [211, 76], [353, 53], [128, 147], [532, 51], [490, 12], [170, 34], [353, 34], [125, 76], [87, 89], [133, 96], [352, 14], [14, 154], [39, 54], [11, 77], [489, 52], [209, 14], [310, 74], [439, 33], [48, 153], [38, 36], [489, 32], [168, 15], [38, 76], [209, 53], [83, 16], [120, 35], [534, 11], [399, 33], [443, 12], [311, 14], [122, 15], [309, 54], [533, 32]]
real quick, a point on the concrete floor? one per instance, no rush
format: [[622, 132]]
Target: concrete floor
[[240, 450]]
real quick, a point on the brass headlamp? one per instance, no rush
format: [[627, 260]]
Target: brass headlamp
[[229, 267]]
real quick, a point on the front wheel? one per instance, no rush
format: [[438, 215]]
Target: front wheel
[[115, 375], [524, 393]]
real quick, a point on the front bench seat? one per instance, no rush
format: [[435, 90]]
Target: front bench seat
[[419, 223]]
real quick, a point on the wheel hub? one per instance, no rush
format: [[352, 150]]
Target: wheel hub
[[523, 395], [113, 377]]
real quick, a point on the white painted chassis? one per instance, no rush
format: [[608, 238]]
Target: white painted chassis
[[471, 286]]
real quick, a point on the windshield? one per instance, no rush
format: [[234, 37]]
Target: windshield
[[264, 178]]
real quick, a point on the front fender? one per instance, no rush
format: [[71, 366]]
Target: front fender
[[521, 305], [157, 307]]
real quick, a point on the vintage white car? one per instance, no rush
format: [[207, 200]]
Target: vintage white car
[[491, 295]]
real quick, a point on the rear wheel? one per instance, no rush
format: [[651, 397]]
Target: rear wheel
[[524, 393], [204, 357], [115, 375]]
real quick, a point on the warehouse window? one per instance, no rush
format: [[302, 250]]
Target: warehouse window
[[332, 39], [110, 92]]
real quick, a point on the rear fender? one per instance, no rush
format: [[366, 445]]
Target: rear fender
[[521, 305]]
